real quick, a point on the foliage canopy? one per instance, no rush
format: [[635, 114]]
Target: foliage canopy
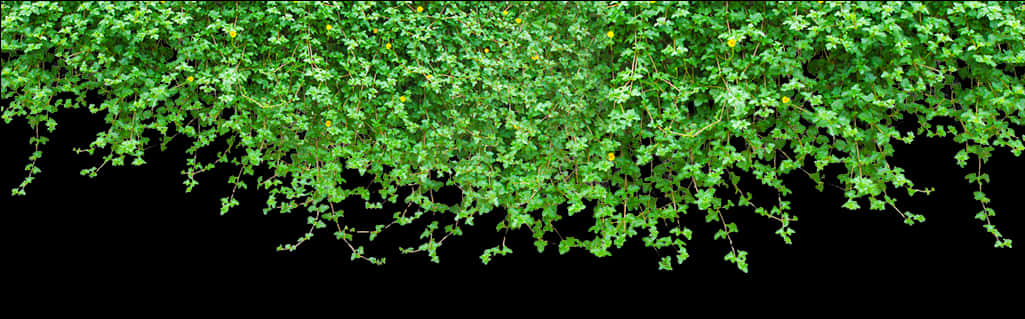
[[649, 109]]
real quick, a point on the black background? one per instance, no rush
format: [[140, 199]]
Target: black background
[[138, 222]]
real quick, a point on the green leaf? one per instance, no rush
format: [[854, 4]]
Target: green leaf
[[664, 264], [540, 244], [851, 205]]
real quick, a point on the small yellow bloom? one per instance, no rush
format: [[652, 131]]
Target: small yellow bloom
[[610, 34], [486, 50], [162, 1], [516, 127], [612, 156], [731, 43], [328, 123], [428, 76], [534, 57], [328, 27], [232, 34], [388, 46], [786, 99], [419, 9], [518, 20], [190, 79], [375, 30], [820, 2], [651, 1], [402, 99], [505, 12]]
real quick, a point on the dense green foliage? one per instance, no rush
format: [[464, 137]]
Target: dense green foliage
[[650, 109]]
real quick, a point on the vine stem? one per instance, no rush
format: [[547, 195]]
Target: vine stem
[[895, 207], [352, 249], [728, 237], [985, 214]]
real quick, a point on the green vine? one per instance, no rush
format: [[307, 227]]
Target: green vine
[[531, 107]]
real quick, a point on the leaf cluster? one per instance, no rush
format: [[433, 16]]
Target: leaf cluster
[[650, 110]]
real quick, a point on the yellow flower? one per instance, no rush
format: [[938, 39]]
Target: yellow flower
[[375, 30], [612, 156], [328, 123], [505, 12], [419, 9], [534, 57], [428, 76], [516, 127], [232, 34], [191, 78], [486, 50], [610, 34], [820, 2], [388, 46], [518, 20], [731, 43], [651, 1], [786, 99], [328, 27], [402, 99], [162, 1]]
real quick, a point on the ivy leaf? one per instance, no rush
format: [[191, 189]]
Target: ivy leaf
[[851, 205]]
